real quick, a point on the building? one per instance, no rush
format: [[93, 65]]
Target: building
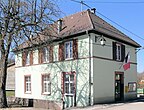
[[79, 64], [10, 82]]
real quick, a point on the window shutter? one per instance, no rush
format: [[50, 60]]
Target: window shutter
[[61, 51], [40, 55], [31, 57], [51, 54], [75, 48], [62, 82], [114, 50], [122, 52], [23, 58]]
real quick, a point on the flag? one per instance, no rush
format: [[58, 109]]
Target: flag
[[126, 64]]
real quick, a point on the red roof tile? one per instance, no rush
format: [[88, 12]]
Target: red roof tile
[[81, 22]]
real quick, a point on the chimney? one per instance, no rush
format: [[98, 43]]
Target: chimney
[[93, 10], [59, 25]]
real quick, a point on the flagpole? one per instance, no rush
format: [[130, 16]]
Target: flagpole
[[121, 65], [124, 60]]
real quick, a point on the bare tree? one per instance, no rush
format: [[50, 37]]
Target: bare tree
[[19, 19]]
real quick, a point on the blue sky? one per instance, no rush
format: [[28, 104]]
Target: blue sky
[[128, 15]]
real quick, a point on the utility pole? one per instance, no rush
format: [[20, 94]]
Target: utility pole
[[82, 2]]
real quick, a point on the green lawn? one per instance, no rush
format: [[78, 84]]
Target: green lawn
[[10, 93]]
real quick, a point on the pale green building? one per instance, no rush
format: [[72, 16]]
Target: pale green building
[[80, 64]]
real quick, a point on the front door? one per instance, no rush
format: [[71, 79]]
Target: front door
[[69, 91], [119, 87]]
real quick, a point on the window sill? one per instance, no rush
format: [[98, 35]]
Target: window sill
[[45, 62], [69, 95], [28, 92], [46, 93], [68, 58]]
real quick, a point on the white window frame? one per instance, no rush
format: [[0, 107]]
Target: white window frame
[[69, 50], [69, 82], [132, 86], [27, 84], [46, 87], [118, 52], [45, 51], [35, 56]]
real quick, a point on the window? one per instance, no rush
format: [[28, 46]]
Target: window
[[28, 84], [46, 87], [69, 86], [27, 60], [35, 54], [45, 54], [118, 51], [132, 87], [68, 50], [45, 57]]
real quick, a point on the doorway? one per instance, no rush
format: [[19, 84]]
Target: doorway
[[119, 86]]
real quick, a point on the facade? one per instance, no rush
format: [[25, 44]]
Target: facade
[[75, 69], [10, 85]]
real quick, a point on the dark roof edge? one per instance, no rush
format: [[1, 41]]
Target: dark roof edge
[[78, 34], [11, 64], [61, 39], [111, 37]]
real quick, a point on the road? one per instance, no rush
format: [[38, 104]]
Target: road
[[133, 105]]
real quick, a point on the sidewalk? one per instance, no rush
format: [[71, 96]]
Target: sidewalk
[[131, 105], [23, 108]]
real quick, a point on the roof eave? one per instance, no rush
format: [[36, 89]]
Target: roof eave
[[136, 45]]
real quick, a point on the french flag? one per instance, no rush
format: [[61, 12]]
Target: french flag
[[126, 64]]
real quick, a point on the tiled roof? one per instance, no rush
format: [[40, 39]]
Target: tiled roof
[[87, 20], [103, 27], [81, 22]]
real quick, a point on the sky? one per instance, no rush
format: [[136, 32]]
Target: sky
[[127, 13]]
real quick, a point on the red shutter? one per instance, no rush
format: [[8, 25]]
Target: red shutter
[[75, 48], [61, 51], [23, 58], [51, 54], [31, 57], [40, 55], [62, 83]]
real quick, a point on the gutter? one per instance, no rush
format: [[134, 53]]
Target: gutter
[[87, 32]]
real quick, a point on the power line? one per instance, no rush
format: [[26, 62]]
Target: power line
[[82, 2], [120, 26], [118, 2]]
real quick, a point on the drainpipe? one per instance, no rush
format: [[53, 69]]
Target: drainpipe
[[89, 67]]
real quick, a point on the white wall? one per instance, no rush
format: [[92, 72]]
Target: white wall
[[18, 59]]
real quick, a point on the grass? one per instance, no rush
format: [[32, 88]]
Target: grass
[[10, 93]]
